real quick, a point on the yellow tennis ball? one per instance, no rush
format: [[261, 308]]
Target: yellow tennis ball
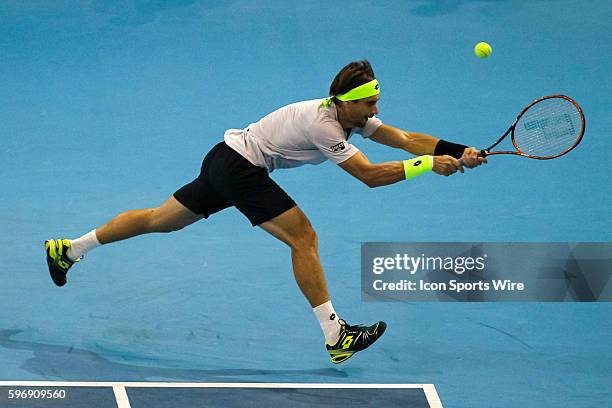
[[482, 50]]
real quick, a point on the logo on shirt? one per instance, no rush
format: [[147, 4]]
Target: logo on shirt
[[338, 147]]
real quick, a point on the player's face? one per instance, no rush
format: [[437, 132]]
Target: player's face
[[362, 109]]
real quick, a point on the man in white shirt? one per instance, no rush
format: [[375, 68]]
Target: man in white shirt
[[236, 173]]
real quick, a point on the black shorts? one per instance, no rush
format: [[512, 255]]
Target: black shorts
[[228, 179]]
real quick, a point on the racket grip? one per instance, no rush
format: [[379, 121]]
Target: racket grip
[[483, 153]]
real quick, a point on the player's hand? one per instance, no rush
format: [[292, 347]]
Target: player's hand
[[446, 165], [470, 158]]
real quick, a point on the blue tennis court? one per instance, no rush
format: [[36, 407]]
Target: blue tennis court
[[109, 106]]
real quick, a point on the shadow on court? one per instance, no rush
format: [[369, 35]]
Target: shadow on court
[[53, 361]]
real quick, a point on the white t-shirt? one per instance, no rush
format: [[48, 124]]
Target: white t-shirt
[[297, 134]]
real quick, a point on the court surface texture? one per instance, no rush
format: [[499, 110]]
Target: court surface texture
[[109, 106]]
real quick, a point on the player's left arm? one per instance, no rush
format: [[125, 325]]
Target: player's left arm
[[420, 144]]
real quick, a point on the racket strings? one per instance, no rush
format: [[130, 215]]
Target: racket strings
[[548, 128]]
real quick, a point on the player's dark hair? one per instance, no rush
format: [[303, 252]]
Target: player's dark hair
[[351, 76]]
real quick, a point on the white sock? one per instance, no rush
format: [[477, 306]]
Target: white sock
[[79, 246], [328, 319]]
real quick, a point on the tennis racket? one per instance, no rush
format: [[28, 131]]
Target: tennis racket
[[546, 129]]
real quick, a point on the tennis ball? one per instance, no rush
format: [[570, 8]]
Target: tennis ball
[[482, 50]]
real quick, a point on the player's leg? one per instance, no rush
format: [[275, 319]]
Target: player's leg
[[170, 216], [294, 229], [342, 340], [192, 202]]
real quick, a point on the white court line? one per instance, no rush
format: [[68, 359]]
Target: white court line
[[432, 396], [121, 397], [206, 385], [119, 388]]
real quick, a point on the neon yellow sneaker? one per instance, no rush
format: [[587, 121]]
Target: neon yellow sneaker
[[57, 259], [353, 339]]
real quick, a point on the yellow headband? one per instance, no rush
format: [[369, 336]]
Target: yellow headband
[[362, 91]]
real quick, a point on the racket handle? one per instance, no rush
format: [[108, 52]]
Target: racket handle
[[483, 153]]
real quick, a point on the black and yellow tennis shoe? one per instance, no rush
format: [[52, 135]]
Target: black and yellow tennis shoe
[[353, 339], [57, 259]]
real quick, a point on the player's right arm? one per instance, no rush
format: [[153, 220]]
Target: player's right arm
[[421, 143], [382, 174]]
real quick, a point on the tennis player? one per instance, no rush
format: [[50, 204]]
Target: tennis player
[[236, 171]]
